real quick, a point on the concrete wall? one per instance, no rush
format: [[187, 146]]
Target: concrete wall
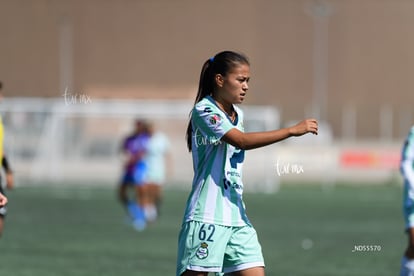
[[360, 58]]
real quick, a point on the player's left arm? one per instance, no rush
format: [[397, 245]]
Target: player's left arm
[[254, 140]]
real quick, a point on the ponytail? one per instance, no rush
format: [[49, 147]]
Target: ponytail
[[205, 88], [222, 63]]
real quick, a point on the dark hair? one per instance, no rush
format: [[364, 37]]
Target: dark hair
[[222, 63]]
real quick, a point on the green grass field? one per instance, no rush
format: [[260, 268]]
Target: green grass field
[[303, 229]]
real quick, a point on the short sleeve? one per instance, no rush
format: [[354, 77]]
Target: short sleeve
[[211, 120]]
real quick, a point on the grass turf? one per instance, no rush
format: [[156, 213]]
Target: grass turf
[[303, 229]]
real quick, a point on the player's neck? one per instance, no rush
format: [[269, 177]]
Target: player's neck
[[226, 107]]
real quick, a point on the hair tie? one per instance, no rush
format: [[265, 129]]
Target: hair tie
[[211, 59]]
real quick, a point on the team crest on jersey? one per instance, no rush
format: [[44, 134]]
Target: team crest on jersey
[[214, 119], [202, 251]]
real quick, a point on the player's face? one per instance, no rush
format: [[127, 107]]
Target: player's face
[[235, 84]]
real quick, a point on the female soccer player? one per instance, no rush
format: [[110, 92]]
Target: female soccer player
[[156, 159], [216, 235], [9, 174], [9, 185], [134, 148], [407, 171]]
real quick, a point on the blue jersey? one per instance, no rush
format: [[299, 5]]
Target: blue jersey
[[135, 147]]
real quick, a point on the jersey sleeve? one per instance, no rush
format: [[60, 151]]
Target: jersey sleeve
[[407, 160], [209, 119]]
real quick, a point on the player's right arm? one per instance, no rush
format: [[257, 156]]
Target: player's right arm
[[254, 140]]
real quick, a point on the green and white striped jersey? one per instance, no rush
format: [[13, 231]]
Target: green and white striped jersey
[[407, 160], [216, 195]]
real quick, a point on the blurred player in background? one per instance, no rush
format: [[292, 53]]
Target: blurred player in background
[[134, 148], [156, 160], [216, 235], [8, 172], [407, 171], [9, 186]]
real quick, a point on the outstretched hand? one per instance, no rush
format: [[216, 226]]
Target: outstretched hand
[[303, 127]]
